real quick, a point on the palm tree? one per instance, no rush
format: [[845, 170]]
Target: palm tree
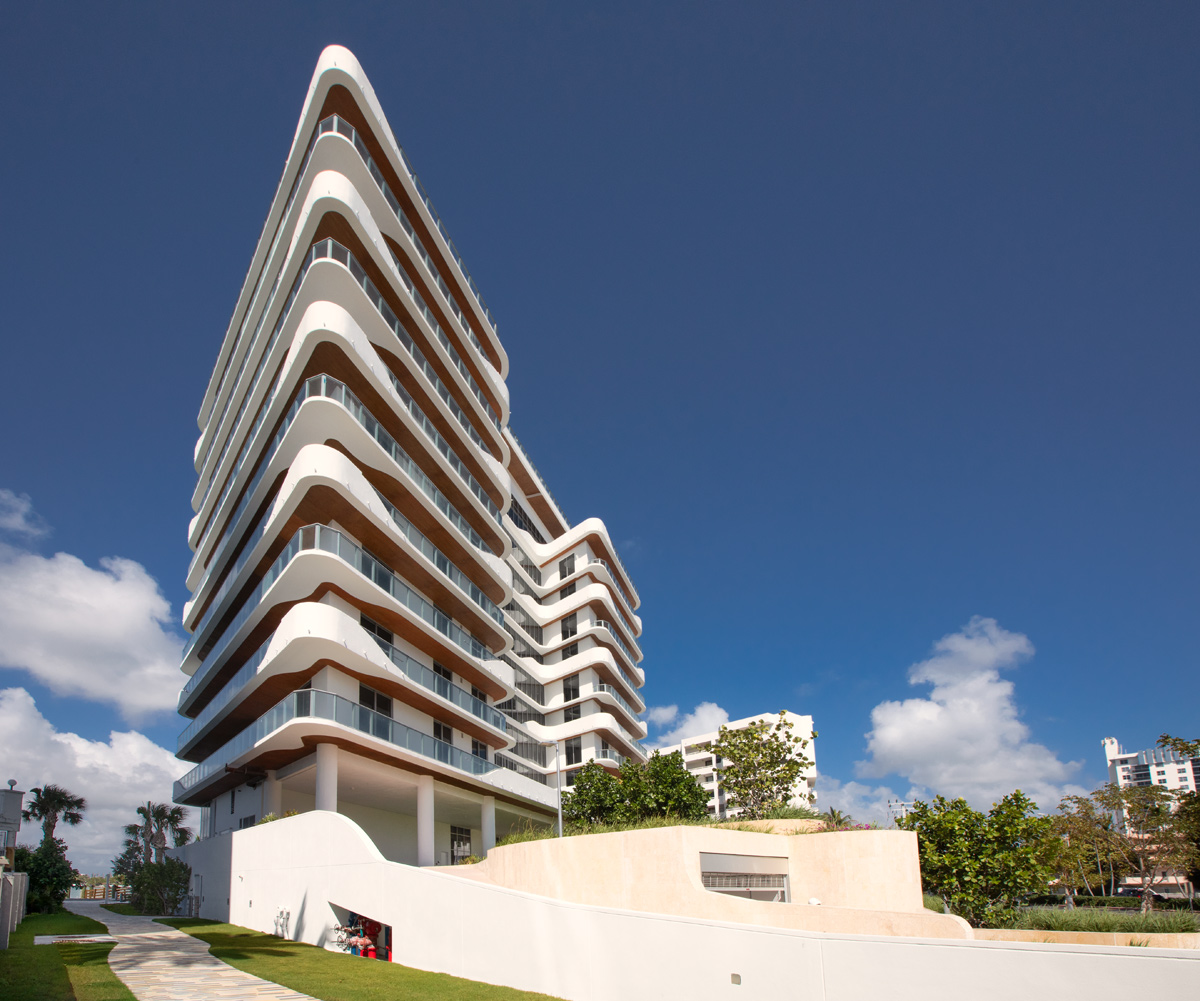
[[836, 819], [169, 820], [53, 803], [159, 820]]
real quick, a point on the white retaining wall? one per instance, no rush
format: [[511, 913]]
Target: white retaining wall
[[287, 874]]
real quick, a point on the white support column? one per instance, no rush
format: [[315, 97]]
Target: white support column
[[487, 823], [327, 777], [425, 853], [273, 794]]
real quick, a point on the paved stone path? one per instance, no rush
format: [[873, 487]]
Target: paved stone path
[[160, 963]]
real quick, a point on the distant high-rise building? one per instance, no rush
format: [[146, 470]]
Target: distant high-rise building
[[1156, 766], [391, 616], [703, 765]]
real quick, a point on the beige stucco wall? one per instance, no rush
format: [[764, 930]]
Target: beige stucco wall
[[868, 882], [1160, 940]]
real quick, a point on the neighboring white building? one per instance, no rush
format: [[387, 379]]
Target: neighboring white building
[[703, 764], [1157, 766], [391, 617]]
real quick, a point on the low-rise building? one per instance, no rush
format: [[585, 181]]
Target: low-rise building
[[704, 766]]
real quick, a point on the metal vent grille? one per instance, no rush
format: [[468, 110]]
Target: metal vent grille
[[743, 880]]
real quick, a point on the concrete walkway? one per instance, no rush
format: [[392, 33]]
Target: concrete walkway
[[160, 963]]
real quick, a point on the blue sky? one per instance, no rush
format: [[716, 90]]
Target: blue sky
[[859, 324]]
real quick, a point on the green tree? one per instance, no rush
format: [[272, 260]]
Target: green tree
[[761, 765], [1150, 837], [1184, 748], [160, 886], [1088, 856], [50, 874], [1187, 817], [52, 803], [982, 864], [661, 787]]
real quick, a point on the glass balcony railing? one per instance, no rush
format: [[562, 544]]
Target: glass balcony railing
[[279, 231], [442, 562], [602, 624], [322, 129], [536, 472], [620, 699], [223, 697], [423, 676], [334, 123], [341, 127], [329, 388], [620, 587], [608, 754], [504, 761], [327, 706], [331, 250], [329, 540]]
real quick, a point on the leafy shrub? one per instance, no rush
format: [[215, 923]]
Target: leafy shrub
[[1096, 920], [160, 886], [51, 876], [934, 903]]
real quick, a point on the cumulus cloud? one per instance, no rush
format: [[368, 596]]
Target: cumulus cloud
[[100, 633], [966, 738], [855, 799], [662, 715], [115, 777], [705, 718], [17, 515]]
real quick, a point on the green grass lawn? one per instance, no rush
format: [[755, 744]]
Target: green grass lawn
[[333, 976], [31, 972]]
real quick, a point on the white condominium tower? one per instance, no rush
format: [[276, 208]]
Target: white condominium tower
[[1157, 766], [704, 766], [391, 616]]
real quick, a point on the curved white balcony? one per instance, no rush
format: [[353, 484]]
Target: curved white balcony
[[310, 633], [348, 719]]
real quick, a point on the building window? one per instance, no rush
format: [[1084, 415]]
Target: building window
[[232, 794], [524, 522], [443, 732], [566, 567], [567, 591], [570, 625], [375, 629], [479, 749], [443, 672], [247, 822], [572, 713], [368, 698], [460, 843], [574, 750], [569, 651], [570, 687], [480, 694], [569, 779]]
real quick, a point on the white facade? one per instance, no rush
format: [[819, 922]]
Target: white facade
[[704, 766], [391, 617], [1156, 766]]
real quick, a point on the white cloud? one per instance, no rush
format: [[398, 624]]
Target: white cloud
[[966, 739], [662, 715], [705, 718], [97, 633], [115, 777], [17, 515], [862, 802]]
